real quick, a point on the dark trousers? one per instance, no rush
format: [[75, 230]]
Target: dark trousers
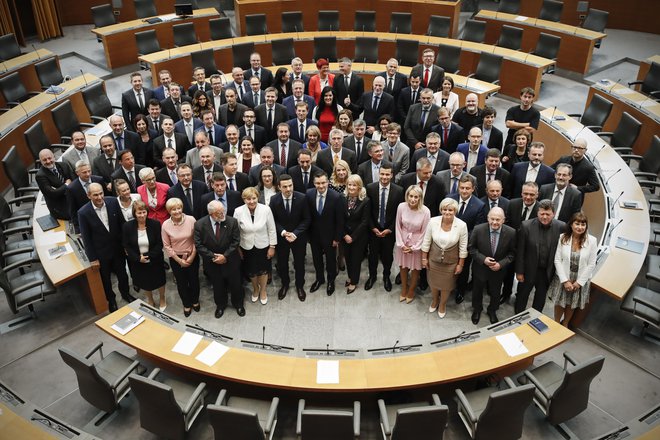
[[354, 254], [464, 276], [226, 280], [492, 283], [540, 281], [381, 249], [116, 264], [187, 282], [507, 285], [318, 250], [298, 248]]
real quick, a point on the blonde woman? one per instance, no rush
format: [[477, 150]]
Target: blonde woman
[[339, 177], [356, 229]]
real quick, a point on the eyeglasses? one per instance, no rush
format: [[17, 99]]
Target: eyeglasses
[[575, 147]]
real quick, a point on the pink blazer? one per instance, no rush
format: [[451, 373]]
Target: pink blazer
[[159, 213]]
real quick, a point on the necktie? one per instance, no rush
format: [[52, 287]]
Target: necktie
[[231, 184], [189, 132], [358, 148], [177, 105], [525, 212], [211, 136], [491, 176], [557, 200], [424, 114], [462, 210], [270, 118], [57, 173], [249, 133], [421, 185], [223, 200], [493, 242], [189, 197], [301, 131], [492, 204], [120, 142], [389, 85], [445, 136], [376, 99], [335, 158], [426, 77], [173, 177], [256, 73], [240, 88], [209, 183], [131, 180], [454, 185], [233, 149], [217, 230], [381, 213], [319, 208], [346, 81], [156, 126], [305, 179], [256, 99], [283, 155], [391, 154], [169, 143], [287, 206], [140, 100], [414, 97]]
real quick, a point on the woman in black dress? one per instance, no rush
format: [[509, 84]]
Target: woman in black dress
[[147, 136], [282, 84], [356, 229], [517, 152]]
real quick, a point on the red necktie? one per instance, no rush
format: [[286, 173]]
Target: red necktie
[[445, 135], [426, 78]]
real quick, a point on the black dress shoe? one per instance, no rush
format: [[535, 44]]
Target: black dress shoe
[[301, 293], [369, 284], [341, 267], [397, 279], [475, 317], [387, 284], [331, 288], [128, 297], [196, 307], [112, 306], [459, 297], [315, 285], [493, 317], [240, 311], [282, 292], [187, 313], [219, 312]]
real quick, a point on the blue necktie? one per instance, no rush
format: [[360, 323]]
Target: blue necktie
[[381, 214], [319, 208]]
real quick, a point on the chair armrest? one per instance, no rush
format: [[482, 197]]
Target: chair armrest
[[650, 176], [18, 218], [539, 386], [595, 127], [301, 408], [356, 419], [87, 124], [509, 382], [470, 75], [65, 139], [623, 150], [605, 133], [272, 414], [222, 396], [97, 118], [153, 374], [94, 349], [650, 305], [27, 189], [653, 277], [631, 157], [436, 400], [497, 83], [18, 264], [21, 199], [649, 183], [125, 374], [33, 170], [27, 228], [635, 82], [18, 251], [60, 146], [575, 115], [569, 358], [198, 394], [384, 420], [463, 402]]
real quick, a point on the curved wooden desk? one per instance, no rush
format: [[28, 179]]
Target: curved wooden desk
[[519, 69], [24, 65], [421, 11], [154, 339]]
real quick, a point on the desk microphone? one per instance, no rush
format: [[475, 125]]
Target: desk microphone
[[85, 79], [27, 115], [263, 336], [526, 56], [169, 57], [552, 116], [598, 152], [394, 346], [614, 85], [579, 132], [616, 226], [327, 349], [617, 199], [36, 51], [615, 173], [641, 104]]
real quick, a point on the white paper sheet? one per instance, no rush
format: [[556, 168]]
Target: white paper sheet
[[211, 354], [511, 344], [521, 18], [327, 372], [52, 237], [623, 91], [187, 343], [59, 251]]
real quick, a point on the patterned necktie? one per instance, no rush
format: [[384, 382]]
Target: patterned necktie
[[283, 155], [319, 208]]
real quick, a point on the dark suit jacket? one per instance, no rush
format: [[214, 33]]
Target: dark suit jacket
[[496, 139], [297, 178], [54, 189], [241, 181], [254, 172], [223, 100], [218, 133], [227, 244], [479, 248], [259, 134], [130, 241], [527, 249], [248, 99], [364, 171], [436, 78], [371, 115], [518, 173], [198, 190], [441, 160], [133, 142], [168, 108], [238, 114], [192, 89], [434, 192], [179, 127], [502, 202], [100, 243], [150, 124], [101, 167], [329, 225], [294, 129], [349, 142], [292, 153], [296, 221], [163, 176], [481, 155], [325, 162], [265, 75], [357, 221], [159, 92], [200, 175], [130, 107], [182, 147], [246, 88], [571, 204], [404, 102], [120, 174], [355, 88], [515, 210], [290, 103], [479, 171], [413, 129], [400, 82], [395, 197], [234, 200], [474, 212], [305, 79], [76, 197], [279, 115], [456, 136]]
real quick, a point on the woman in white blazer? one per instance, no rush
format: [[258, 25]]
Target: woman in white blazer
[[575, 260], [258, 240]]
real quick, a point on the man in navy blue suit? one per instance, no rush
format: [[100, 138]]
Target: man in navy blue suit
[[532, 171], [298, 89], [474, 152], [216, 132], [298, 125], [76, 191], [101, 222], [189, 191]]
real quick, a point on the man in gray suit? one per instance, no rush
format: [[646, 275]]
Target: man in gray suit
[[201, 141], [450, 177], [420, 119], [370, 171], [396, 151], [566, 199], [80, 151]]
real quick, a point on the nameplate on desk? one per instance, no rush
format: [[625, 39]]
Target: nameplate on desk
[[128, 323], [153, 20], [630, 245], [630, 204]]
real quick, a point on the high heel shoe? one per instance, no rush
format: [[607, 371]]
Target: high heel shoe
[[441, 314], [254, 299], [196, 307], [350, 290], [187, 313], [409, 300], [264, 301], [433, 309], [402, 298]]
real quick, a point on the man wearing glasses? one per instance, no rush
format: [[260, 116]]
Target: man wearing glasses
[[584, 177]]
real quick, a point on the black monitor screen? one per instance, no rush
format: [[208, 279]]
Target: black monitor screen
[[183, 9]]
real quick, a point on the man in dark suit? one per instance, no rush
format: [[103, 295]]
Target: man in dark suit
[[566, 199], [216, 95], [199, 75], [291, 213], [207, 168], [217, 237], [369, 171], [357, 142], [215, 132], [128, 171], [188, 124], [419, 121], [348, 84], [256, 132], [474, 151], [229, 199], [232, 111], [299, 124], [163, 90], [189, 191], [256, 70], [134, 101], [374, 104], [255, 96], [451, 134], [431, 74], [76, 191], [101, 224], [236, 181], [432, 188], [394, 80], [239, 83], [407, 97], [270, 113], [327, 210], [52, 179], [535, 255], [167, 173], [125, 139], [326, 158], [267, 160], [285, 150], [494, 198], [233, 143], [386, 197], [488, 171], [492, 247], [297, 73], [155, 118], [177, 141], [106, 164], [298, 90], [303, 173], [493, 137], [438, 158], [171, 106], [534, 170]]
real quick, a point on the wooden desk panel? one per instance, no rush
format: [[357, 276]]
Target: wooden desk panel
[[24, 65]]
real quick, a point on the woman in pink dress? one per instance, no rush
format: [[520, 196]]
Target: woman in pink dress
[[411, 220]]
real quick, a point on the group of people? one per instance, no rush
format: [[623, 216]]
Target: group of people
[[255, 170]]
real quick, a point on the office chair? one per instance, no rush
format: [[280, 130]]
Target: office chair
[[647, 169], [510, 37], [325, 47], [509, 6], [328, 21], [449, 58], [547, 47], [292, 22], [184, 34], [220, 28], [488, 68], [255, 24], [401, 23], [283, 51], [18, 174], [145, 8], [651, 82], [365, 21], [241, 418], [9, 47], [625, 135], [596, 21], [366, 50], [97, 102], [48, 72], [644, 304], [36, 139], [328, 424], [407, 52], [13, 90], [417, 420], [147, 42], [595, 114], [439, 26], [103, 15], [551, 10], [206, 59], [241, 54], [25, 287], [474, 31], [66, 121]]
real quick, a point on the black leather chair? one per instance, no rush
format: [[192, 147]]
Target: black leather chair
[[16, 215], [104, 383], [474, 31], [168, 408], [650, 85], [328, 21], [18, 174], [283, 51], [510, 37], [365, 21], [145, 8], [325, 47], [241, 54], [9, 47], [336, 424], [488, 68], [255, 24], [547, 47], [644, 304], [647, 169], [66, 121], [366, 50], [596, 21], [36, 139], [551, 10], [184, 34], [449, 58], [401, 23], [206, 59], [407, 52], [624, 136], [240, 418], [147, 42], [97, 102], [19, 254], [491, 413], [24, 287], [13, 90], [509, 6], [595, 114], [419, 420], [439, 26], [103, 15], [292, 21], [49, 73], [220, 28]]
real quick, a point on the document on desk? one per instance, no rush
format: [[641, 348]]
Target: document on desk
[[520, 18], [327, 372], [187, 343], [53, 238], [212, 353], [511, 344]]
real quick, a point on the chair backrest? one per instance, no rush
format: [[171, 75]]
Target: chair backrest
[[325, 47], [651, 161], [97, 101], [4, 281], [12, 87], [596, 20], [184, 34], [449, 58], [93, 388], [572, 396], [366, 50], [547, 46], [626, 131], [598, 111], [9, 47], [159, 411], [147, 42], [283, 51], [145, 8], [103, 15], [504, 414], [48, 72], [488, 68], [401, 23], [241, 54], [292, 21], [36, 139], [65, 118], [326, 424], [509, 6], [651, 82], [365, 21], [407, 52], [220, 28], [204, 58], [255, 24], [474, 31], [233, 423], [551, 10], [423, 422], [328, 21], [510, 37], [15, 170], [439, 26]]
